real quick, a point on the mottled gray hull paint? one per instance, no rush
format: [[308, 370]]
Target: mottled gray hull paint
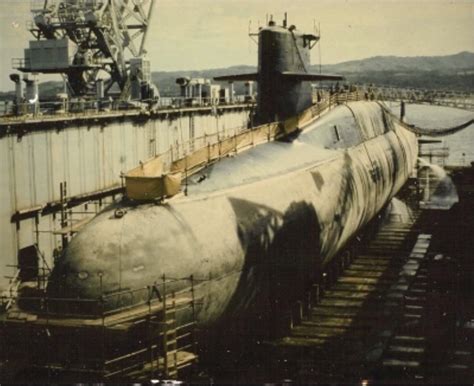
[[251, 227]]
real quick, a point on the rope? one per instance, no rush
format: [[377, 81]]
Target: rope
[[426, 131], [437, 132]]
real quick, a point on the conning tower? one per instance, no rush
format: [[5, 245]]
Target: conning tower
[[284, 88]]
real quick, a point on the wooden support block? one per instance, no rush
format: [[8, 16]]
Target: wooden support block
[[315, 294], [343, 263], [307, 305], [283, 324], [297, 313], [327, 279], [287, 322], [334, 273]]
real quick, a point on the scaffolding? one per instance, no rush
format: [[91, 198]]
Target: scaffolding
[[151, 336], [127, 335]]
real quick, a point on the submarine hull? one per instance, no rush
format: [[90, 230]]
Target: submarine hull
[[260, 225]]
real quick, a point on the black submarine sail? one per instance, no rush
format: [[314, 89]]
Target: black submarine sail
[[267, 220], [284, 87]]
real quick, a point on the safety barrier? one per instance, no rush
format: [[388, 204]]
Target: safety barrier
[[126, 341], [161, 176], [10, 110]]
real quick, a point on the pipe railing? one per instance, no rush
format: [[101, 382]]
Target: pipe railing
[[104, 304], [88, 107], [106, 360], [83, 108]]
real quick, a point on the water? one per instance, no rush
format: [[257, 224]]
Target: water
[[440, 192], [460, 144]]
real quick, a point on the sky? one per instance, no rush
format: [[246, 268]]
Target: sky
[[203, 34]]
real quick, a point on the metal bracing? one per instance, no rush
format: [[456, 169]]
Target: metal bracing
[[158, 344], [106, 34]]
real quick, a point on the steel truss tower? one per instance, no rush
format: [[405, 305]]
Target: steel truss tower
[[88, 40]]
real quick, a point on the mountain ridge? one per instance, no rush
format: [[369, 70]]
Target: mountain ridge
[[460, 61], [455, 72]]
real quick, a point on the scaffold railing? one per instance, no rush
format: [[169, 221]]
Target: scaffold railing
[[155, 337]]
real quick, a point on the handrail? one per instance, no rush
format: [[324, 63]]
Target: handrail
[[147, 295], [78, 107], [84, 108]]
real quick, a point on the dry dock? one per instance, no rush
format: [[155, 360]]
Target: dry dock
[[398, 308]]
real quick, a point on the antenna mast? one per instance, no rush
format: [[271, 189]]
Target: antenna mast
[[319, 46]]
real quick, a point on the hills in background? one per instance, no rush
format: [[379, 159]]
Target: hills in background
[[461, 61], [453, 72]]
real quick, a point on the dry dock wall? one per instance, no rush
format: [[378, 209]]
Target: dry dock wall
[[88, 154]]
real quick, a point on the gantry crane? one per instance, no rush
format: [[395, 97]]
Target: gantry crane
[[90, 41]]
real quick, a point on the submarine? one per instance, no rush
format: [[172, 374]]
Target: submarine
[[287, 206], [254, 229]]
